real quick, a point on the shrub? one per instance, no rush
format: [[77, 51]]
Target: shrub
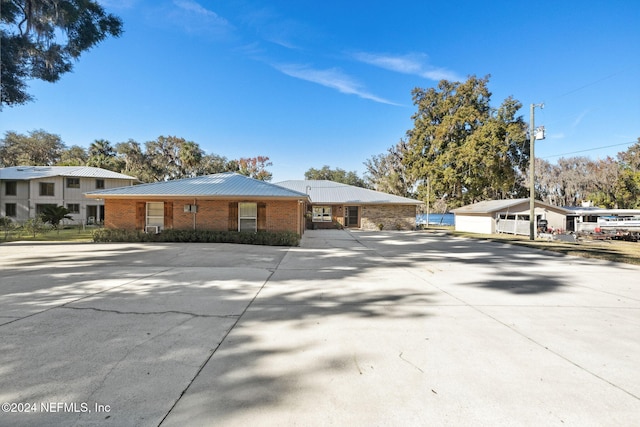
[[7, 225], [35, 226], [283, 238]]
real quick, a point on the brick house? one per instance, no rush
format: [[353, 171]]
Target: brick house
[[340, 205], [220, 202], [26, 190]]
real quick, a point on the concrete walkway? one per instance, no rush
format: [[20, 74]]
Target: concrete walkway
[[351, 328]]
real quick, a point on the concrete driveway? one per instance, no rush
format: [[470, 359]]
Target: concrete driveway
[[351, 328]]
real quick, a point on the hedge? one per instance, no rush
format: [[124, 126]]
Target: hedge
[[283, 238]]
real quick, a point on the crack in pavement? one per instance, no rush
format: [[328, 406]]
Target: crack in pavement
[[84, 297], [224, 337], [217, 316]]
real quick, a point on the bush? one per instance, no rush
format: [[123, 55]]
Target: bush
[[283, 238], [35, 226]]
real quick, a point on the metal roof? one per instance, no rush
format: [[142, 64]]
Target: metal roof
[[329, 192], [19, 173], [578, 210], [488, 206], [227, 184]]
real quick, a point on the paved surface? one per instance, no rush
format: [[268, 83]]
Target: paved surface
[[357, 329]]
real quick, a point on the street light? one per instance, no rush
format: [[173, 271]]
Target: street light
[[533, 135]]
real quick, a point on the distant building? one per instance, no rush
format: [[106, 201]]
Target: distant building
[[335, 204], [507, 216], [26, 190], [589, 219]]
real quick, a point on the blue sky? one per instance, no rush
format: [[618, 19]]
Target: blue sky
[[313, 83]]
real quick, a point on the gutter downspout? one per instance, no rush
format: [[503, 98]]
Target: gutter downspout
[[194, 214]]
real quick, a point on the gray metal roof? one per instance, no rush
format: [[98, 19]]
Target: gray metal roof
[[227, 184], [330, 192], [488, 206], [19, 173]]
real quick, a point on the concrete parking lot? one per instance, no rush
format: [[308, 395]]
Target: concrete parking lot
[[351, 328]]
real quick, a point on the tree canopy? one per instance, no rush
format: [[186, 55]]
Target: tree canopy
[[336, 175], [463, 149], [166, 157], [387, 173], [41, 39], [38, 148]]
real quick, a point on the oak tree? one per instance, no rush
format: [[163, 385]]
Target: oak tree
[[464, 149], [41, 39], [335, 175]]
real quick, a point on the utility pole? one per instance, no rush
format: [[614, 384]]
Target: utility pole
[[532, 172]]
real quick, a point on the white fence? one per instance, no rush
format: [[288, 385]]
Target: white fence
[[513, 226]]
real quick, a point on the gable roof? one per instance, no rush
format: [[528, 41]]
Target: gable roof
[[329, 192], [24, 173], [488, 206], [221, 185]]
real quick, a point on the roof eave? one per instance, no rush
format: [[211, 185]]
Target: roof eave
[[190, 196]]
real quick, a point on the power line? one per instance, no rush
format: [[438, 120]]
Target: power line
[[586, 85], [589, 149]]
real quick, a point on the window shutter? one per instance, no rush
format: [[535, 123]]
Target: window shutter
[[141, 213], [262, 217], [233, 216], [168, 215]]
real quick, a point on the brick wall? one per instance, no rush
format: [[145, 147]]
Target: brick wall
[[281, 215], [392, 217], [120, 214]]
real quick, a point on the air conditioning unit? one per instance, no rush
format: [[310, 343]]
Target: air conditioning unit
[[152, 229]]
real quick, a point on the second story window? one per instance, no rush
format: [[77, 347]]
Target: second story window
[[73, 182], [11, 188], [99, 183], [47, 189]]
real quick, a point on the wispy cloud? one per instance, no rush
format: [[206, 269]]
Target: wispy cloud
[[196, 18], [274, 28], [578, 119], [118, 4], [415, 64], [332, 78]]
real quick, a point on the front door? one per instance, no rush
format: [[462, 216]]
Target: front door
[[92, 214], [351, 217]]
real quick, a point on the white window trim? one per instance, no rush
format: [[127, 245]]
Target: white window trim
[[321, 214], [159, 219], [248, 217]]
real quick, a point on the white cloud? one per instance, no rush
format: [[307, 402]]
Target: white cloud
[[415, 64], [118, 4], [332, 78], [196, 18], [192, 6], [578, 119]]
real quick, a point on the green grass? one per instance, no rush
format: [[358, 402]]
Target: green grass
[[65, 235]]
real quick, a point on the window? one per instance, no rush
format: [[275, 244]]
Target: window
[[155, 214], [73, 182], [321, 214], [247, 216], [10, 209], [47, 188], [99, 183], [41, 207], [73, 208], [11, 188]]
